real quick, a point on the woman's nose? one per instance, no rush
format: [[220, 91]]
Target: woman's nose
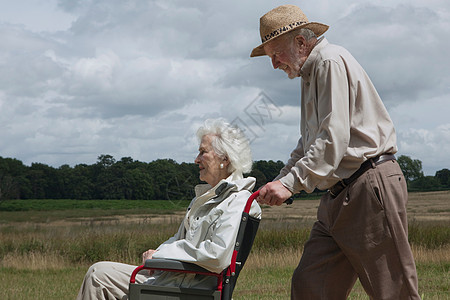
[[197, 159]]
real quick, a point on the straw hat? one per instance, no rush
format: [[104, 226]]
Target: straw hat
[[283, 19]]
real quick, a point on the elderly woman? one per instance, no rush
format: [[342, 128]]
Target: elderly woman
[[207, 234]]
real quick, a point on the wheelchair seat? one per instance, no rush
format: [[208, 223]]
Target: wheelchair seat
[[226, 280]]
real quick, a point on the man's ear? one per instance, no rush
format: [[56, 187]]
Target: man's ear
[[300, 40]]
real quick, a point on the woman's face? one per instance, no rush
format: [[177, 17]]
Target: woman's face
[[209, 162]]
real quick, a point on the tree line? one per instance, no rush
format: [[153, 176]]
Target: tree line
[[417, 181], [162, 179], [108, 178]]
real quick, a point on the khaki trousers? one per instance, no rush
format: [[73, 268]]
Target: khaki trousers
[[362, 233], [107, 280]]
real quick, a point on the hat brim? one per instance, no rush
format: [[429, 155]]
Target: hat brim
[[317, 28]]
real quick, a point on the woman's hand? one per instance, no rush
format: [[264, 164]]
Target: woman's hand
[[148, 255]]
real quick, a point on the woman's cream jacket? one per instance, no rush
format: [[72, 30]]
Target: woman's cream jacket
[[207, 234]]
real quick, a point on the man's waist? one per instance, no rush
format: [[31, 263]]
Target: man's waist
[[368, 164]]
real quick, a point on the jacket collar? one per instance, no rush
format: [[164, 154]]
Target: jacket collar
[[305, 71], [234, 182]]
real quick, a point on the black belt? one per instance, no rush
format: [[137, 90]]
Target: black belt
[[370, 163]]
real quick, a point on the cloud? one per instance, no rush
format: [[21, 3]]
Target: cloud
[[136, 78], [423, 131], [429, 146], [401, 48], [35, 15]]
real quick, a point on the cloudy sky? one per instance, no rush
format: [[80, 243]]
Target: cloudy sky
[[80, 78]]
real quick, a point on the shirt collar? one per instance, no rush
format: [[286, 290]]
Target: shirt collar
[[305, 71]]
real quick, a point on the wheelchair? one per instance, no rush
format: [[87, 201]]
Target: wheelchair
[[226, 280]]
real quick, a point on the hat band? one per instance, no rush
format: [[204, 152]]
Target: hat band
[[281, 30]]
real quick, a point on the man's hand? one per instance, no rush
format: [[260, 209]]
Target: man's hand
[[273, 193]]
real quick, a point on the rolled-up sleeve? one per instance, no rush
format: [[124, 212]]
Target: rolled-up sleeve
[[296, 155]]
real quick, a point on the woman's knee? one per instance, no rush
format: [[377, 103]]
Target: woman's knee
[[99, 270]]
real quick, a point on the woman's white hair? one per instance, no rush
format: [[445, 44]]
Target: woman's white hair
[[228, 141]]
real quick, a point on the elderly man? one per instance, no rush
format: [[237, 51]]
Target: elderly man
[[347, 147]]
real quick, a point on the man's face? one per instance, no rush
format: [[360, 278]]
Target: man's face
[[287, 55]]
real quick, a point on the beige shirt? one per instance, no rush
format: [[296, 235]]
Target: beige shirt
[[343, 121]]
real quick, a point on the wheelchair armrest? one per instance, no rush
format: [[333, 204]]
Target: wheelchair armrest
[[174, 266], [158, 263]]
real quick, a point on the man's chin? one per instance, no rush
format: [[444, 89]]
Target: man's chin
[[290, 74]]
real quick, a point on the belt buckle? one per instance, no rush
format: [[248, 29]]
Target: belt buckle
[[342, 187], [332, 194]]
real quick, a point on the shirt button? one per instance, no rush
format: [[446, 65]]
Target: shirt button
[[307, 84]]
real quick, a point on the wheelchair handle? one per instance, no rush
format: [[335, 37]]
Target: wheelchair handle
[[255, 195], [250, 201], [289, 201]]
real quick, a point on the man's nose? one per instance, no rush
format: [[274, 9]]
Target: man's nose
[[275, 63]]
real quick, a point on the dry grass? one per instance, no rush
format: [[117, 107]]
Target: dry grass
[[33, 261], [288, 257], [52, 257], [267, 273], [431, 206], [434, 256]]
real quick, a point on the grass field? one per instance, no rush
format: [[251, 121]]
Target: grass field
[[46, 249]]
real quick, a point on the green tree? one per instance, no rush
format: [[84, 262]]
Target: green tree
[[443, 176], [12, 178], [44, 181], [80, 185], [107, 176], [106, 160], [138, 184], [425, 183], [260, 178], [412, 168], [270, 168], [8, 187], [163, 172]]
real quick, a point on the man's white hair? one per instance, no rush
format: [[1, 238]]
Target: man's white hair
[[305, 32], [230, 142]]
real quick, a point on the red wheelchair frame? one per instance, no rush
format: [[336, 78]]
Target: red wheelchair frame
[[226, 280]]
